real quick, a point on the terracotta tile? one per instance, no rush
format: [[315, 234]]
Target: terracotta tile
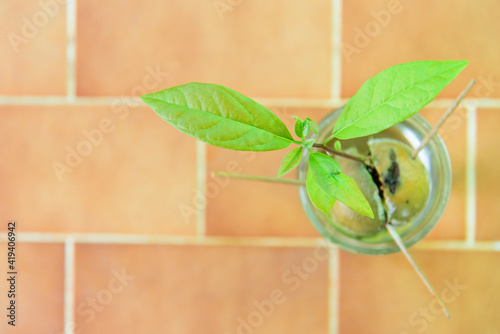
[[452, 223], [252, 208], [33, 44], [39, 288], [200, 289], [131, 178], [487, 176], [261, 48], [402, 31], [384, 295]]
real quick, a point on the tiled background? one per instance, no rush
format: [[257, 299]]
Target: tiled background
[[135, 235]]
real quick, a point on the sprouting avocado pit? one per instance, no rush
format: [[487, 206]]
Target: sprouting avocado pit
[[397, 188]]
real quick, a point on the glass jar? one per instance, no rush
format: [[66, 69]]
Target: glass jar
[[436, 160]]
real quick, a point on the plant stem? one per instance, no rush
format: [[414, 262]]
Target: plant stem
[[259, 178], [443, 119], [343, 154], [328, 139], [394, 234]]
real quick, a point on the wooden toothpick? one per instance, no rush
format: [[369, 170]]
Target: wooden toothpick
[[394, 234], [443, 119], [260, 178]]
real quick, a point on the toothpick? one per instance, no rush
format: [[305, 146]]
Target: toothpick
[[394, 234], [443, 119], [260, 178]]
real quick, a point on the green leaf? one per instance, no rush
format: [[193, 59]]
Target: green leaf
[[337, 145], [334, 183], [299, 126], [393, 95], [305, 130], [302, 128], [318, 197], [308, 143], [290, 161], [328, 164], [220, 116], [312, 125]]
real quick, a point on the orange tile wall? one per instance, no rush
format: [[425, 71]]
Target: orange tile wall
[[137, 235]]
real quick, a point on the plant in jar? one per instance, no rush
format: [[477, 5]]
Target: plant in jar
[[376, 184]]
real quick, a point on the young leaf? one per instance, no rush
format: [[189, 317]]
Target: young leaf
[[393, 95], [220, 116], [312, 125], [308, 143], [305, 130], [318, 197], [337, 145], [299, 126], [302, 128], [333, 182], [290, 161]]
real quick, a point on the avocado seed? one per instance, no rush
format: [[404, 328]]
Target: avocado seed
[[405, 180], [349, 220]]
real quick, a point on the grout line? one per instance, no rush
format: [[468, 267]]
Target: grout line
[[33, 100], [201, 179], [269, 102], [165, 240], [336, 64], [470, 185], [69, 245], [479, 246], [71, 50], [336, 89], [334, 291], [69, 285], [132, 101], [300, 103], [134, 239], [487, 103]]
